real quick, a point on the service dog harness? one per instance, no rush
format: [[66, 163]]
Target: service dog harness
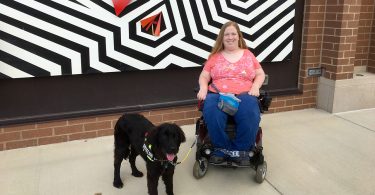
[[147, 148]]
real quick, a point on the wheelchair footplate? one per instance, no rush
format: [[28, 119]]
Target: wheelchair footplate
[[232, 164], [256, 158]]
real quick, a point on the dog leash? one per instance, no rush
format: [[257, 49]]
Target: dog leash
[[195, 141]]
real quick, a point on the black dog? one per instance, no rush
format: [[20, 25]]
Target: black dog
[[158, 145]]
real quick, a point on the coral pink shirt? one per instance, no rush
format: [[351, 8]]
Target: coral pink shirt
[[232, 77]]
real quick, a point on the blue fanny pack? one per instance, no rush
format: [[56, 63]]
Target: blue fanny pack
[[228, 102]]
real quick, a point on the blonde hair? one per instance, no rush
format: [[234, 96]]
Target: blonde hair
[[219, 46]]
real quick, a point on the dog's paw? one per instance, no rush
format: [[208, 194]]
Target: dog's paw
[[118, 184], [137, 174]]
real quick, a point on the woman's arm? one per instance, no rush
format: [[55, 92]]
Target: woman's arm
[[204, 78], [258, 82]]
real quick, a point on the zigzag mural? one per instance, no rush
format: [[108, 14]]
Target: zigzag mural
[[68, 37]]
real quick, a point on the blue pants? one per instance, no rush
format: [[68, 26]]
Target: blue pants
[[247, 121]]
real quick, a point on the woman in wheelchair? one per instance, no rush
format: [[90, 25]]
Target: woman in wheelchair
[[231, 69]]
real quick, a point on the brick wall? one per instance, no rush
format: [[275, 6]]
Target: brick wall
[[34, 134], [371, 62], [311, 49], [334, 36], [340, 39], [364, 33]]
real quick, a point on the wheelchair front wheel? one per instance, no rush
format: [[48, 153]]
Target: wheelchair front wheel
[[200, 168], [261, 172]]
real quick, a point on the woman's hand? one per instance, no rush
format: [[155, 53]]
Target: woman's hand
[[258, 81], [254, 91], [202, 94], [204, 78]]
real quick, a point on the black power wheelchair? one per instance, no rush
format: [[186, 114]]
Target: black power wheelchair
[[205, 149]]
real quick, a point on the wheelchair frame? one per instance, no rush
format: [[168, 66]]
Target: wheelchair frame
[[205, 149]]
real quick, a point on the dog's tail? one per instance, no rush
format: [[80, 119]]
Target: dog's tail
[[116, 132], [121, 139], [119, 133]]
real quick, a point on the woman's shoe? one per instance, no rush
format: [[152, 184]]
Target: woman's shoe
[[217, 159], [241, 161]]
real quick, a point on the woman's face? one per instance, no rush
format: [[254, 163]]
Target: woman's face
[[231, 38]]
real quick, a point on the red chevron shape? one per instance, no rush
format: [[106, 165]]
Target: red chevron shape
[[153, 21], [157, 31], [147, 21], [120, 5]]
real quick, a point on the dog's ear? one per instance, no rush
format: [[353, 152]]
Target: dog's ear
[[152, 135]]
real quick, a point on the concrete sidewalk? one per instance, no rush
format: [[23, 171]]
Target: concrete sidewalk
[[308, 152]]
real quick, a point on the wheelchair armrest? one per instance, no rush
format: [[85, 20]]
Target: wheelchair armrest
[[264, 101], [196, 89], [200, 105]]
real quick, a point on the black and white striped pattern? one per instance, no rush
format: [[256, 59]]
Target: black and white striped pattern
[[67, 37]]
